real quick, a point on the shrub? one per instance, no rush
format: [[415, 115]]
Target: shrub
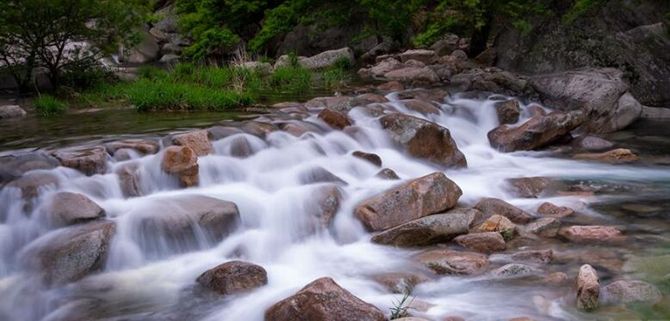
[[48, 105]]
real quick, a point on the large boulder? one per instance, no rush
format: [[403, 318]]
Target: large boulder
[[70, 254], [181, 161], [426, 230], [13, 166], [493, 206], [88, 160], [72, 208], [453, 262], [536, 132], [588, 288], [630, 291], [198, 141], [233, 277], [600, 93], [145, 51], [413, 74], [325, 59], [11, 111], [417, 198], [323, 300], [424, 139]]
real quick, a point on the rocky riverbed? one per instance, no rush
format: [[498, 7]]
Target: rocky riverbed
[[477, 193]]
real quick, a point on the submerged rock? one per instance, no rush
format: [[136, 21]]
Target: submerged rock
[[541, 256], [417, 198], [424, 140], [485, 242], [534, 187], [391, 86], [387, 173], [500, 224], [544, 226], [198, 141], [233, 277], [591, 233], [591, 144], [129, 179], [88, 160], [588, 288], [453, 262], [372, 158], [536, 132], [426, 230], [324, 300], [420, 106], [144, 147], [514, 270], [616, 156], [30, 184], [324, 204], [493, 206], [630, 291], [72, 208], [400, 282], [183, 162], [13, 166]]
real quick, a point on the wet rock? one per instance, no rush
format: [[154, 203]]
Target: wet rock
[[430, 95], [446, 45], [11, 111], [542, 256], [442, 71], [486, 242], [218, 132], [591, 144], [616, 156], [72, 208], [460, 55], [550, 209], [588, 288], [508, 111], [334, 118], [498, 223], [426, 230], [453, 262], [417, 198], [181, 161], [534, 187], [13, 166], [88, 160], [536, 132], [385, 67], [400, 282], [325, 300], [234, 277], [144, 147], [556, 278], [421, 106], [70, 254], [391, 86], [387, 173], [493, 206], [422, 55], [324, 204], [414, 63], [372, 158], [413, 74], [31, 183], [317, 175], [258, 129], [544, 226], [424, 140], [198, 141], [591, 233], [514, 270], [339, 103], [129, 180], [629, 291], [367, 99], [487, 58]]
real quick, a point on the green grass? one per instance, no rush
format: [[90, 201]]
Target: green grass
[[48, 105]]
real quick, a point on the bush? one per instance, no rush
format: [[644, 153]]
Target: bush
[[48, 105]]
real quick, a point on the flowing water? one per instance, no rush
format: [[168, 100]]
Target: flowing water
[[146, 278]]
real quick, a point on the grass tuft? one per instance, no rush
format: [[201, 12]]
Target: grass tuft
[[48, 105]]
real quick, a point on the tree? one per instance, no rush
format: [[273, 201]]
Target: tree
[[60, 34]]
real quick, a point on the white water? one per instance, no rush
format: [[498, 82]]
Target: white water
[[141, 279]]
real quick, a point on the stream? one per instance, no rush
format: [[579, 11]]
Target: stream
[[147, 277]]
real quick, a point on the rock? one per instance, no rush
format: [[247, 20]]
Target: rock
[[445, 46], [425, 56], [263, 68], [542, 256], [487, 58], [420, 106], [453, 262], [70, 254], [544, 226], [367, 99], [324, 204], [72, 208], [459, 55], [426, 230], [32, 183], [146, 51], [172, 49], [384, 67], [600, 93], [129, 180], [629, 291], [417, 198], [372, 158], [88, 160], [181, 161], [198, 141], [170, 59], [324, 300], [591, 144], [234, 277], [588, 288], [13, 166], [493, 206], [556, 278], [534, 187], [259, 129], [338, 103], [414, 63], [486, 242], [442, 71], [549, 209], [508, 111], [498, 223], [11, 111], [514, 270], [182, 220], [616, 156], [400, 282], [536, 132], [429, 95], [413, 74], [334, 118], [591, 233], [317, 175], [424, 140], [391, 86], [387, 173], [144, 147]]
